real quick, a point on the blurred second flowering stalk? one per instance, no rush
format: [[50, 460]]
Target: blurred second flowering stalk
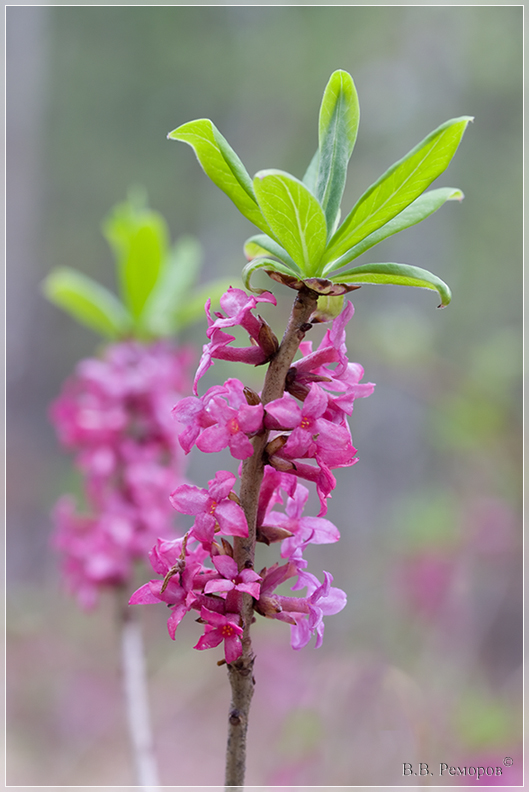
[[114, 415], [114, 412]]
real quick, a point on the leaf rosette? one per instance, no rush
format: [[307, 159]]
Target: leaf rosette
[[302, 240]]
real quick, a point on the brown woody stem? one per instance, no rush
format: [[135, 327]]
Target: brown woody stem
[[241, 671]]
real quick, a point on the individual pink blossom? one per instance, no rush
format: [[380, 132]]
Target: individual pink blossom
[[321, 476], [325, 600], [305, 530], [220, 628], [221, 418], [231, 579], [213, 509], [232, 429], [316, 366], [313, 435], [238, 307]]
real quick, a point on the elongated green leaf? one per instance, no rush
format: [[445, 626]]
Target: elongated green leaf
[[261, 263], [88, 302], [397, 274], [159, 315], [338, 127], [222, 165], [423, 206], [139, 238], [295, 217], [311, 174], [263, 245], [398, 187]]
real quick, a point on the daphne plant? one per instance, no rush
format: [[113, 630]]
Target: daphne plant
[[114, 416], [295, 430]]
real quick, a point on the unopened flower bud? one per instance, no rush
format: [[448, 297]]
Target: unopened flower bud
[[251, 397], [268, 606], [283, 465], [274, 445], [267, 340], [226, 546], [271, 533]]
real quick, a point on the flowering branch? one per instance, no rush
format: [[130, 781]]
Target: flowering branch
[[241, 672]]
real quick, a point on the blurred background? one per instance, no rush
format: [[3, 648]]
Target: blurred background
[[424, 664]]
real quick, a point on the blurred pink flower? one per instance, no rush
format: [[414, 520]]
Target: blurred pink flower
[[114, 414]]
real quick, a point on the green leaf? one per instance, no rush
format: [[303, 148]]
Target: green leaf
[[423, 206], [192, 309], [160, 314], [311, 174], [397, 274], [295, 217], [139, 238], [222, 165], [338, 128], [260, 263], [398, 186], [88, 302], [262, 245]]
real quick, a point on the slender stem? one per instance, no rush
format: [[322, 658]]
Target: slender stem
[[241, 671], [136, 696]]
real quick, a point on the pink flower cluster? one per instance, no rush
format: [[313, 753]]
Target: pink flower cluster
[[114, 415], [308, 437]]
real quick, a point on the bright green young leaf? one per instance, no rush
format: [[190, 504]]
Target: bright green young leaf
[[398, 186], [338, 127], [222, 165], [397, 274], [263, 245], [262, 263], [423, 206], [88, 302], [139, 238], [295, 217], [171, 292], [311, 174]]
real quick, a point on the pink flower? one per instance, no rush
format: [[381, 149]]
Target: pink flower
[[221, 628], [232, 579], [325, 600], [114, 414], [313, 435], [315, 366], [314, 530], [222, 417], [95, 551], [213, 509], [238, 307], [232, 429]]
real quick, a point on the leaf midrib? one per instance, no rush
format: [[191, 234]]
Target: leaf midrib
[[403, 184]]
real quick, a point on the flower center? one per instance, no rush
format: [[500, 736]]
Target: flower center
[[305, 423], [233, 426], [212, 507], [227, 630]]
